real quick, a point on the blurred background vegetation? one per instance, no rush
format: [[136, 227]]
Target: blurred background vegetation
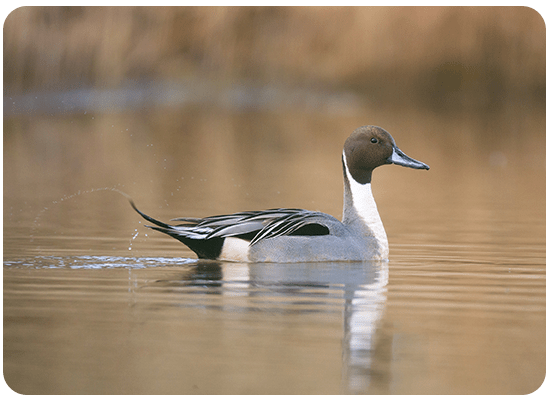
[[444, 58]]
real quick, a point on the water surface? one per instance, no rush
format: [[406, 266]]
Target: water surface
[[94, 303]]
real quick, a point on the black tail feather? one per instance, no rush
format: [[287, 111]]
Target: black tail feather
[[150, 219], [204, 248]]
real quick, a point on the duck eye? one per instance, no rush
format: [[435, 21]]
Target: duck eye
[[373, 140]]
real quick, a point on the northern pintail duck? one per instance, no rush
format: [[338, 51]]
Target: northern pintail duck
[[295, 235]]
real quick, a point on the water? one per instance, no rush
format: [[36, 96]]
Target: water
[[94, 303]]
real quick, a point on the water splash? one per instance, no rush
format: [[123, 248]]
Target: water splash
[[96, 262], [37, 220], [133, 237]]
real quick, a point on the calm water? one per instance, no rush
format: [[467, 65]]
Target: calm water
[[94, 303]]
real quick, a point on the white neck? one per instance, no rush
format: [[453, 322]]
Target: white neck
[[360, 211]]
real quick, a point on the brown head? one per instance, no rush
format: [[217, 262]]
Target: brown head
[[369, 147]]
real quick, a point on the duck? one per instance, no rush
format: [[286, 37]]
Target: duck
[[288, 235]]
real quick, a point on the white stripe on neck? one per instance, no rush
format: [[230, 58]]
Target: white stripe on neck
[[365, 208]]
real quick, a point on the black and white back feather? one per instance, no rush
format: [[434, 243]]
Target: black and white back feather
[[205, 236]]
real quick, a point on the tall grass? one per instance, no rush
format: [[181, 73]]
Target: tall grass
[[441, 56]]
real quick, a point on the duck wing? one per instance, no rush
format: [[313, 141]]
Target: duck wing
[[248, 225]]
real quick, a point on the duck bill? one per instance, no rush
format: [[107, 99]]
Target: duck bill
[[400, 158]]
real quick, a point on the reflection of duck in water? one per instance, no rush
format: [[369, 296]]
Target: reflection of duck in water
[[294, 235]]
